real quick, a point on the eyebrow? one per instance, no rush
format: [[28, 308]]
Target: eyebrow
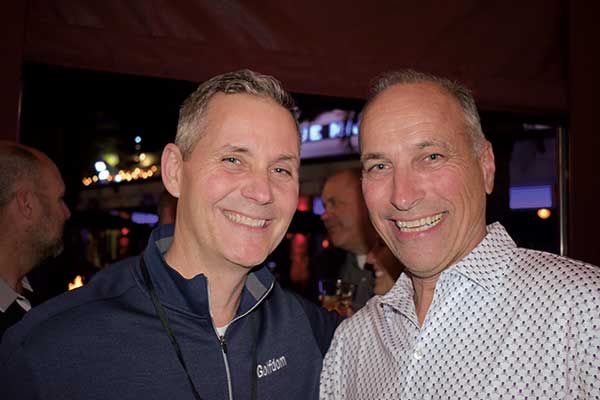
[[371, 156], [420, 145], [245, 150], [288, 157], [235, 149], [430, 143]]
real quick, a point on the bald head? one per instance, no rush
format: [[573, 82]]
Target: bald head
[[18, 164], [31, 202]]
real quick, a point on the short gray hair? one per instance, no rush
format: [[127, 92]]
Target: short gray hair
[[454, 88], [17, 163], [192, 113]]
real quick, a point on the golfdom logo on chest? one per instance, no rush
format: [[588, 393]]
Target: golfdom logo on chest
[[274, 364]]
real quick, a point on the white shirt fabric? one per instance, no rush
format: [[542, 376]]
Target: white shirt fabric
[[504, 323], [8, 295]]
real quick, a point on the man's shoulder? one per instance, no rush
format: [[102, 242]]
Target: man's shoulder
[[302, 315], [570, 273], [546, 278], [67, 310]]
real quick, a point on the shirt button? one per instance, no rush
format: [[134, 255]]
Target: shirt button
[[418, 354]]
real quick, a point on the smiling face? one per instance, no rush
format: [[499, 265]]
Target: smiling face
[[423, 183], [238, 190]]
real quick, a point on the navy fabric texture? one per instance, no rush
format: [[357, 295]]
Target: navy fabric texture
[[105, 341]]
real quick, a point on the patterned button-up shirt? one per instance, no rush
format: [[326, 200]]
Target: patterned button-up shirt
[[504, 323]]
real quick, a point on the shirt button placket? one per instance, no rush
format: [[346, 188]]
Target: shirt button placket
[[418, 354]]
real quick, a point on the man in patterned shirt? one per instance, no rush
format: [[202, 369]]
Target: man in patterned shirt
[[474, 316]]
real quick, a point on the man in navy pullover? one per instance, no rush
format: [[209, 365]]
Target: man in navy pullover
[[193, 317]]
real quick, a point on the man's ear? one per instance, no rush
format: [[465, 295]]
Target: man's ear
[[172, 169], [26, 201], [488, 166]]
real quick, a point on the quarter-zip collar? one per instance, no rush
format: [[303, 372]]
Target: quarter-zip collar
[[191, 295]]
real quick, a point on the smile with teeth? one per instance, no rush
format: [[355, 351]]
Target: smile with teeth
[[244, 220], [419, 225]]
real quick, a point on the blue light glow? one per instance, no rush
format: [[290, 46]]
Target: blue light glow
[[530, 197]]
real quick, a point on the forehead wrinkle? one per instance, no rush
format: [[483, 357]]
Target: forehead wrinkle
[[431, 143], [371, 156]]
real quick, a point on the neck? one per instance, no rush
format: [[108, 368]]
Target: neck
[[15, 265], [424, 290], [225, 281]]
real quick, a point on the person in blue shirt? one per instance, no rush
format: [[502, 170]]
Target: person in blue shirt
[[195, 316]]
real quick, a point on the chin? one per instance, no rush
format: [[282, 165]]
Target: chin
[[248, 261]]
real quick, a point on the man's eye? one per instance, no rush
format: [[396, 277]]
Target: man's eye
[[376, 167], [280, 170], [231, 160], [434, 157]]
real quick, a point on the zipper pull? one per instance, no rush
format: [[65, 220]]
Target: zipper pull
[[223, 345]]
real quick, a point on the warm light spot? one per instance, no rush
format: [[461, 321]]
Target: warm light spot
[[142, 156], [544, 213], [303, 203], [153, 168], [95, 178], [111, 159], [124, 231], [77, 282], [299, 239], [325, 243]]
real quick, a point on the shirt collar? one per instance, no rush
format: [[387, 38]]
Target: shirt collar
[[192, 294], [485, 265], [8, 294]]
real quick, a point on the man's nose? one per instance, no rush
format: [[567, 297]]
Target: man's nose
[[258, 188], [407, 190]]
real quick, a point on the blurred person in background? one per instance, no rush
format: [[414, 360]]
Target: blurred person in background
[[348, 227], [385, 265], [32, 216]]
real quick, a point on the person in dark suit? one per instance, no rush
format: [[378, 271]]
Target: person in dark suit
[[32, 215], [351, 233]]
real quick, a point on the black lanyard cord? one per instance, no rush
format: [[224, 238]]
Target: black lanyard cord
[[165, 323], [160, 311]]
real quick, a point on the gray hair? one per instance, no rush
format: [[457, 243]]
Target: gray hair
[[454, 88], [192, 113], [17, 163]]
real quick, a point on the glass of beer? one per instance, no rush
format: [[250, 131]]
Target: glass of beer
[[337, 295]]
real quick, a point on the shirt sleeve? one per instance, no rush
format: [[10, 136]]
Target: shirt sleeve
[[588, 348]]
